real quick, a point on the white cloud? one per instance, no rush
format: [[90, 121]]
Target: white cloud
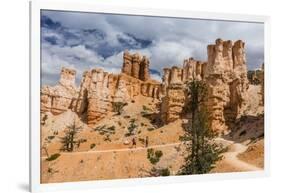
[[173, 40]]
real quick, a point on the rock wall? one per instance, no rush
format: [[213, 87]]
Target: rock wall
[[59, 98], [98, 90], [173, 86], [225, 74], [173, 103], [226, 78], [136, 66]]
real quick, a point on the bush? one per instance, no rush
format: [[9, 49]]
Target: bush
[[93, 145], [118, 107], [158, 153], [51, 137], [154, 157], [145, 108], [102, 130], [164, 172], [131, 127], [155, 172], [150, 129], [53, 157]]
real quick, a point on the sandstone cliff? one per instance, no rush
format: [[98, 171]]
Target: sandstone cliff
[[174, 84], [225, 74], [99, 89], [61, 97], [226, 78]]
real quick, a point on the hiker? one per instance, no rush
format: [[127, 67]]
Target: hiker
[[146, 141], [134, 142]]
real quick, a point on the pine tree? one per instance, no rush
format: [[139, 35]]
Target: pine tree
[[198, 138], [132, 127], [70, 138]]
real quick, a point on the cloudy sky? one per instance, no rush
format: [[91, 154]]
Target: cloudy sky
[[86, 40]]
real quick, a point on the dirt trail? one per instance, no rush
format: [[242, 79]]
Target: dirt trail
[[231, 158], [120, 150]]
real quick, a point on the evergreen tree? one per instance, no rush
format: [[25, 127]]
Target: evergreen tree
[[70, 138], [132, 127], [198, 138]]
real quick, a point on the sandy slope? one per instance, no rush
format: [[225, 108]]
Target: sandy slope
[[109, 164]]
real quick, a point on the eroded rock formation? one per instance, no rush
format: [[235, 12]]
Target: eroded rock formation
[[136, 66], [225, 74], [174, 83], [99, 89], [57, 99], [226, 78]]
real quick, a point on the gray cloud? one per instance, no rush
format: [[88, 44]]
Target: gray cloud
[[87, 40]]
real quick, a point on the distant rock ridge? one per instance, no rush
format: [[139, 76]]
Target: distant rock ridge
[[98, 90], [225, 74]]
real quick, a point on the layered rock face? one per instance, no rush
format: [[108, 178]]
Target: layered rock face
[[59, 98], [174, 80], [225, 74], [226, 78], [99, 90], [174, 96], [136, 66]]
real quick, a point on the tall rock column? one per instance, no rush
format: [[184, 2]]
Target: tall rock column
[[226, 77], [144, 71], [175, 75], [98, 97], [174, 98], [136, 66], [127, 63]]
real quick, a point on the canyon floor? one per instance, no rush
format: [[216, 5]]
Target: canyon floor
[[106, 151]]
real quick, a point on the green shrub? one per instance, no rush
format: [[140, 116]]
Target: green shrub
[[150, 129], [118, 107], [51, 137], [53, 157], [158, 153], [155, 172], [93, 145], [145, 108], [154, 157], [131, 127], [164, 172]]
